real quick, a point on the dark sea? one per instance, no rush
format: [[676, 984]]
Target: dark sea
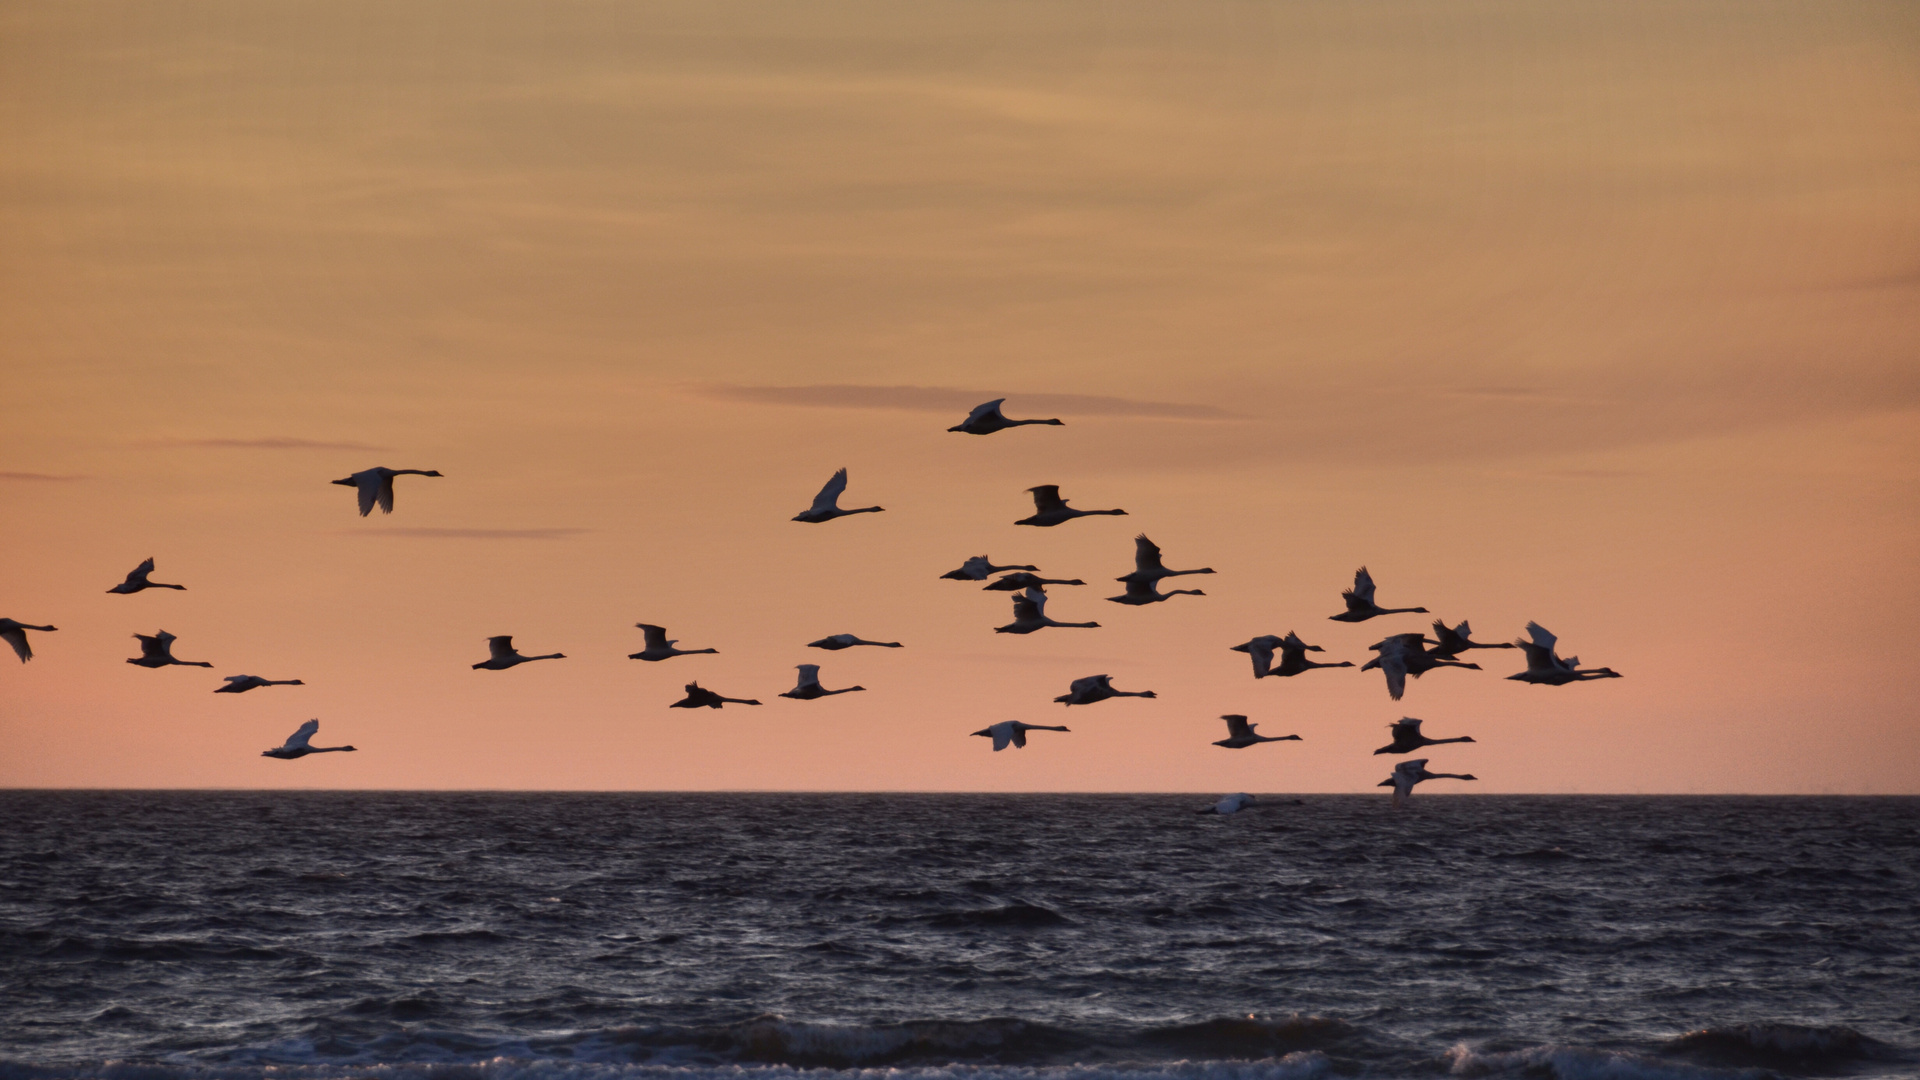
[[161, 935]]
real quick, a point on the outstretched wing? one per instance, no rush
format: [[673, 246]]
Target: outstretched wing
[[367, 485], [298, 740], [386, 491], [809, 675], [1406, 725], [17, 638], [1262, 653], [982, 411], [1030, 605], [1146, 555], [1046, 497], [1019, 736], [1237, 726], [1004, 734], [1362, 586], [1394, 664], [829, 497], [1541, 636], [656, 636], [500, 648], [1141, 589]]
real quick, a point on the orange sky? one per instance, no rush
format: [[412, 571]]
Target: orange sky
[[1600, 314]]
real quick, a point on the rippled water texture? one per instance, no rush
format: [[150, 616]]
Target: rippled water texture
[[403, 934]]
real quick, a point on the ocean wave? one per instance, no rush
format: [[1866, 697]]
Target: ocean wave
[[1585, 1063], [1298, 1066], [1777, 1045]]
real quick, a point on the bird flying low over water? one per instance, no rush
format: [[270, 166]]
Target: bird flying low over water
[[980, 568], [660, 647], [1051, 509], [504, 655], [1402, 655], [296, 744], [1293, 655], [1547, 668], [1360, 605], [240, 684], [699, 697], [1147, 566], [1240, 734], [1408, 773], [137, 580], [157, 652], [809, 686], [1030, 614], [1012, 731], [1096, 688], [1452, 642], [826, 505], [1148, 592], [1229, 804], [987, 419], [1023, 580], [1407, 737], [376, 485], [15, 634], [836, 642]]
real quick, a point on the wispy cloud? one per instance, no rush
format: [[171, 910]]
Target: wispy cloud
[[948, 399], [470, 534], [37, 476], [275, 443]]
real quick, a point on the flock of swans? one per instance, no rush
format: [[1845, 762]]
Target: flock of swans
[[1399, 655]]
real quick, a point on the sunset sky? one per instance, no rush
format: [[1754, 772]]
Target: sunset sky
[[1605, 315]]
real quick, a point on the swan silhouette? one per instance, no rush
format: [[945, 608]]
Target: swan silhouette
[[826, 505], [987, 419], [1408, 773], [1024, 580], [15, 634], [1096, 688], [1030, 614], [1407, 737], [1229, 804], [1360, 605], [1147, 566], [1148, 592], [1546, 667], [809, 686], [980, 568], [240, 684], [1402, 655], [1240, 734], [1452, 642], [137, 580], [1012, 731], [1293, 655], [836, 642], [504, 655], [699, 697], [1050, 509], [296, 744], [661, 647], [157, 652], [376, 485]]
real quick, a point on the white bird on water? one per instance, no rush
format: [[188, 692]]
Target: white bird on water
[[157, 652], [15, 634], [137, 580], [1546, 667], [1050, 509], [661, 647], [980, 568], [809, 686], [240, 684], [1360, 605], [1407, 737], [1095, 688], [504, 655], [1408, 773], [1012, 731], [1293, 655], [376, 485], [1240, 734], [296, 744], [1147, 565], [836, 642], [826, 505], [1030, 614], [1229, 804], [987, 419]]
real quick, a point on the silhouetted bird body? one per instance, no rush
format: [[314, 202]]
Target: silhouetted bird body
[[1096, 688], [1546, 667], [1148, 592], [1147, 566], [660, 647], [504, 655], [1012, 733], [809, 686], [699, 697], [1030, 614], [836, 642], [1360, 605], [240, 684], [1402, 655], [1022, 581], [296, 744], [1451, 642], [826, 505], [157, 652], [1050, 509], [1240, 734], [15, 634], [980, 568], [987, 419], [137, 580], [1407, 737], [1408, 773], [1293, 655], [375, 485]]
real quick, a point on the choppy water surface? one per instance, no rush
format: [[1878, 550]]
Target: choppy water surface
[[158, 935]]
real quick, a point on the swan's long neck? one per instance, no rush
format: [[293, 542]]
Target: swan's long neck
[[326, 749], [1437, 742]]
